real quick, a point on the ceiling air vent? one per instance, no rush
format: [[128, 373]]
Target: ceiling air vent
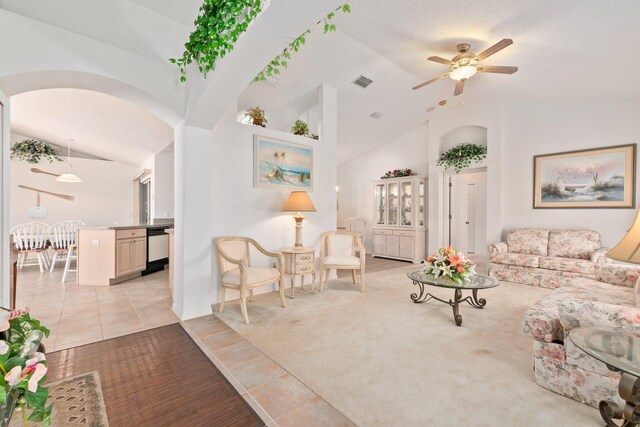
[[375, 115], [362, 81]]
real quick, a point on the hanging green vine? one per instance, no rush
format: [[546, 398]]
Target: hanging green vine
[[282, 60], [217, 28], [462, 155]]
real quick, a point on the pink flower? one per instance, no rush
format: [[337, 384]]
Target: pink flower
[[39, 371], [14, 376], [461, 269]]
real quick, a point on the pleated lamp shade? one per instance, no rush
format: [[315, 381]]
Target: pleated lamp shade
[[628, 250]]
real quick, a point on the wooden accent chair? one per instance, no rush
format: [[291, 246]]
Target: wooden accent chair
[[338, 252], [237, 273], [32, 237]]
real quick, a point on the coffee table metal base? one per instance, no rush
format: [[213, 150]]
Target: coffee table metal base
[[629, 390], [472, 299]]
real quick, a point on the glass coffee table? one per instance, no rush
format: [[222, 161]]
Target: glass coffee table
[[474, 284], [620, 351]]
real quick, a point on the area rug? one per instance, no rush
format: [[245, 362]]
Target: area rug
[[158, 377], [382, 360], [77, 401]]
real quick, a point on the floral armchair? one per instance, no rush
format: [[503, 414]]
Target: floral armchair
[[611, 300]]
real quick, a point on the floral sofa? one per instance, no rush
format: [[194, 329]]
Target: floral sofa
[[611, 300], [546, 258]]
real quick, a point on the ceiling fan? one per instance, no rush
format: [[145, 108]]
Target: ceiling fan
[[466, 64]]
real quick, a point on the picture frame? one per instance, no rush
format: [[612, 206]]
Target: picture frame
[[282, 165], [596, 178]]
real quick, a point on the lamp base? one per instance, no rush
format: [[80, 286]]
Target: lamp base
[[299, 218]]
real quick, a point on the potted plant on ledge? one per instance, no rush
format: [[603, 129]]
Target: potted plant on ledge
[[462, 156], [257, 116]]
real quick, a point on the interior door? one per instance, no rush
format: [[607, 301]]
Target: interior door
[[471, 218], [458, 213]]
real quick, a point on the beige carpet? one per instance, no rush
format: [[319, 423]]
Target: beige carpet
[[382, 360]]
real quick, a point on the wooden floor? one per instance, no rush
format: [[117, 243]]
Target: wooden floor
[[377, 264], [158, 377]]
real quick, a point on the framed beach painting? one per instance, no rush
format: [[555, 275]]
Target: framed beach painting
[[596, 178], [282, 165]]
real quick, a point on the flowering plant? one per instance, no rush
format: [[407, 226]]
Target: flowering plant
[[23, 368], [33, 151], [396, 173], [449, 264]]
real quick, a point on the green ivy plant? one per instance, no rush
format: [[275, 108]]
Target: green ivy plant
[[300, 127], [462, 156], [282, 59], [32, 151], [217, 28]]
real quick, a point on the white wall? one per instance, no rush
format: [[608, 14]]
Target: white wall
[[161, 181], [225, 203], [542, 128], [355, 197], [104, 197]]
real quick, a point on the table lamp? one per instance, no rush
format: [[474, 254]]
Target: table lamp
[[298, 201], [628, 250]]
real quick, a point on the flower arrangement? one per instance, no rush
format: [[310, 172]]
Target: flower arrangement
[[23, 368], [462, 155], [33, 151], [451, 264], [396, 173]]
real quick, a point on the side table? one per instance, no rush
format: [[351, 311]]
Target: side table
[[620, 351], [300, 262]]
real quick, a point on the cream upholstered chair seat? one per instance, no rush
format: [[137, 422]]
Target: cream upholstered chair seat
[[236, 271], [343, 260], [254, 275], [338, 252]]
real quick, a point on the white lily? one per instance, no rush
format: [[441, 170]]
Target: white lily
[[4, 347], [14, 376]]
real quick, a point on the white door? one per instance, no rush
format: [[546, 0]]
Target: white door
[[458, 213], [471, 218], [4, 198]]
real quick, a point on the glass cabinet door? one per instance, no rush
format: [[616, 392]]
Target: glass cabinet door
[[380, 203], [421, 203], [393, 203], [406, 212]]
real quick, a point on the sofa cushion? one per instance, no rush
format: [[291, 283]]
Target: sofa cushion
[[523, 260], [617, 274], [567, 264], [542, 320], [532, 241], [573, 243]]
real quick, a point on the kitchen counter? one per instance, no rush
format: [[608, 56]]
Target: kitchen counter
[[127, 227]]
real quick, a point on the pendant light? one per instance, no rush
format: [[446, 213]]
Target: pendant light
[[68, 176]]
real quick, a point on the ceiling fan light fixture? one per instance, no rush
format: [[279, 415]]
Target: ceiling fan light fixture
[[68, 177], [463, 73]]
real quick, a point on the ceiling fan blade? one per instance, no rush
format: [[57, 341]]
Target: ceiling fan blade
[[459, 87], [499, 69], [439, 60], [430, 81], [493, 49]]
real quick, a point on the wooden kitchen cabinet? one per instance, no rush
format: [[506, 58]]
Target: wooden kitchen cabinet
[[107, 256]]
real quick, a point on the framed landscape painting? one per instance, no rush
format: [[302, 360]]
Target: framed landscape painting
[[597, 178], [282, 165]]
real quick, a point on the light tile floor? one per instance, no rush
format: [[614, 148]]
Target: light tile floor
[[79, 315]]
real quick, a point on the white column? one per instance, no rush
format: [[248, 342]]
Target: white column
[[193, 285], [5, 134]]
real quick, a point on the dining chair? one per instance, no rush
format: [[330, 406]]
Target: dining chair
[[32, 237], [64, 236], [338, 252], [236, 271]]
